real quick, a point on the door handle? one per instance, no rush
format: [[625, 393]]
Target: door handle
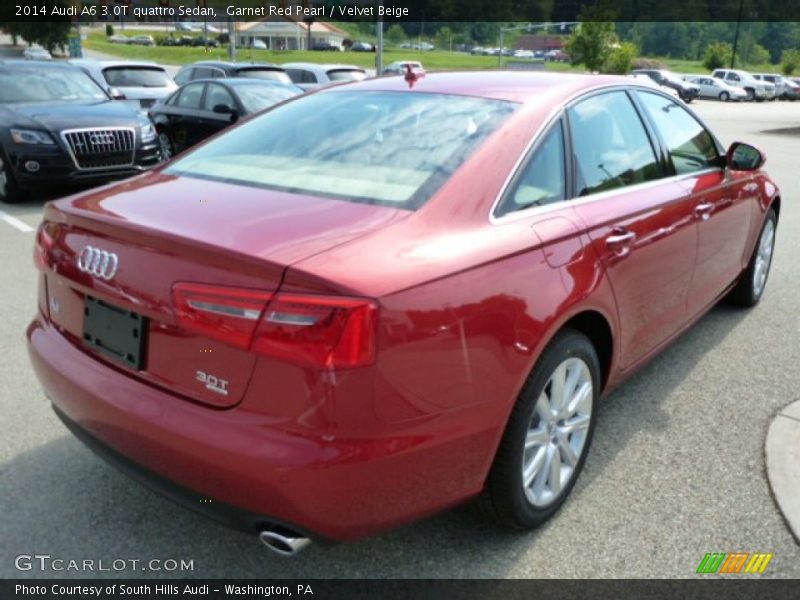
[[620, 241], [704, 210]]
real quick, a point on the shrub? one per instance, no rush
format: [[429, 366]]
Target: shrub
[[109, 30], [717, 55], [790, 61]]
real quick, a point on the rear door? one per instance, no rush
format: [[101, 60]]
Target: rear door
[[722, 204], [640, 222], [211, 122], [186, 116]]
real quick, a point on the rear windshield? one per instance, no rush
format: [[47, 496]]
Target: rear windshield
[[261, 73], [37, 84], [346, 75], [389, 148], [150, 77]]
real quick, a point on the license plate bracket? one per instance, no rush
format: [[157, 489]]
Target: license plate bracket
[[114, 332]]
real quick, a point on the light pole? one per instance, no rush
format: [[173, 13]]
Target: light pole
[[529, 27]]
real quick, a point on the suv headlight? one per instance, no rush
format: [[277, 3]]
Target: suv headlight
[[148, 132], [31, 136]]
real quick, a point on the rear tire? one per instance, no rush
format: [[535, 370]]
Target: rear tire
[[753, 281], [11, 190], [167, 147], [724, 96], [547, 436]]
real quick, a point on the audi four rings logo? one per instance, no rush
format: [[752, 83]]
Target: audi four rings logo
[[97, 262], [102, 138]]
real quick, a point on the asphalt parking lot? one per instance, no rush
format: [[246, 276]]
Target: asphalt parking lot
[[676, 469]]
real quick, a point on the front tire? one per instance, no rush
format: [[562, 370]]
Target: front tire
[[750, 288], [11, 190], [167, 148], [724, 96], [547, 436], [751, 94]]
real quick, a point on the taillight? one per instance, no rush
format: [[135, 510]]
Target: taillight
[[327, 332], [45, 240], [222, 313]]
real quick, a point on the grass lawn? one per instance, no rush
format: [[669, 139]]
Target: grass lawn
[[432, 60]]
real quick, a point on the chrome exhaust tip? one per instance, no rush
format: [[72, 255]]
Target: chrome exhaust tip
[[283, 542]]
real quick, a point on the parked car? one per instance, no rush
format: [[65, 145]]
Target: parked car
[[58, 128], [181, 26], [326, 330], [119, 39], [756, 90], [258, 45], [169, 40], [206, 106], [326, 47], [209, 69], [139, 83], [143, 40], [400, 67], [785, 88], [362, 47], [206, 42], [686, 90], [36, 53], [719, 89], [311, 75]]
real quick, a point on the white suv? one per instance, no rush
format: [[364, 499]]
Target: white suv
[[756, 90]]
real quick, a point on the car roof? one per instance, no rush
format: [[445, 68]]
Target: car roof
[[320, 67], [514, 86], [103, 64], [237, 81], [21, 62], [225, 64]]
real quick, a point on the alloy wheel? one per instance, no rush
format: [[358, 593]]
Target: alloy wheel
[[763, 257], [557, 434]]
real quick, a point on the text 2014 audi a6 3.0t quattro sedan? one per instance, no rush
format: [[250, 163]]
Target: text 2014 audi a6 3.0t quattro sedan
[[374, 302]]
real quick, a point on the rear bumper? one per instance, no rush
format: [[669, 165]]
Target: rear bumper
[[242, 461]]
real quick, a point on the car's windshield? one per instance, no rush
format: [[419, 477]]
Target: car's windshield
[[35, 84], [151, 77], [256, 97], [389, 148], [261, 73], [346, 75]]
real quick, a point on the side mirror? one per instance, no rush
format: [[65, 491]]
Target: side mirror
[[116, 94], [744, 157], [224, 109]]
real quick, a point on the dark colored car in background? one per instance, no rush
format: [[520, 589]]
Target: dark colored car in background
[[59, 128], [687, 91], [218, 69], [376, 301], [202, 108]]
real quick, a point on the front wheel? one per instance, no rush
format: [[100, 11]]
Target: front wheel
[[167, 149], [751, 94], [547, 436], [750, 288], [724, 96], [11, 191]]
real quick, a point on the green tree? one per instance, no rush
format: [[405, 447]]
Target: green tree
[[591, 44], [444, 38], [717, 55], [48, 34], [395, 34], [790, 61], [756, 55], [621, 58]]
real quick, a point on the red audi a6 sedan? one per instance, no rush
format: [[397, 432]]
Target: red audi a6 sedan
[[377, 301]]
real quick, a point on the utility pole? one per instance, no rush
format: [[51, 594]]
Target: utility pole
[[736, 34], [379, 49], [231, 40]]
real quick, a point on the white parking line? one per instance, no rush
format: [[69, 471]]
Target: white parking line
[[15, 222]]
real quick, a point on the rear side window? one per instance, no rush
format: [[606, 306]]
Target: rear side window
[[149, 77], [690, 146], [543, 179], [207, 73], [301, 76], [612, 148], [184, 76]]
